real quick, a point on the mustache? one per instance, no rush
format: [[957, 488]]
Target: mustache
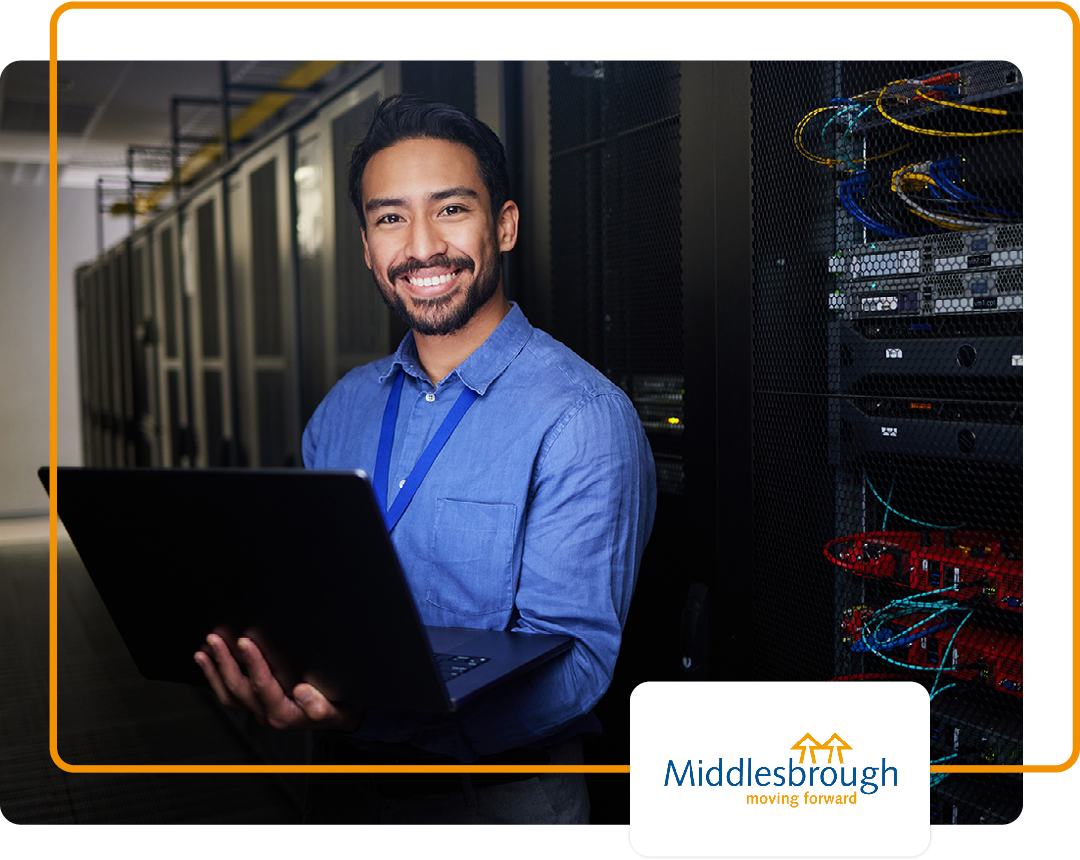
[[439, 261]]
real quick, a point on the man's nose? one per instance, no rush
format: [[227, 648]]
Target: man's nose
[[425, 240]]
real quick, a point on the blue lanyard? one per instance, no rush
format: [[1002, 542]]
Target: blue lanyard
[[423, 465]]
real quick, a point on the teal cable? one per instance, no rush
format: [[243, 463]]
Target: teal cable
[[903, 516]]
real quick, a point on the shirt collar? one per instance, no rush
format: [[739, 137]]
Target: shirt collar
[[486, 363]]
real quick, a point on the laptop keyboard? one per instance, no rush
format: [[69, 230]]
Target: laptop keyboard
[[452, 665]]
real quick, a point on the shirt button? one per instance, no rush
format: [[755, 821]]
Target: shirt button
[[429, 397], [402, 484]]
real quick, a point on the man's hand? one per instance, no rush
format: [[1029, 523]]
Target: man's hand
[[250, 685]]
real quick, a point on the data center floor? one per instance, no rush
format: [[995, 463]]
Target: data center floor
[[107, 714]]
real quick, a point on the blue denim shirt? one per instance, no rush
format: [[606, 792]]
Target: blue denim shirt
[[533, 517]]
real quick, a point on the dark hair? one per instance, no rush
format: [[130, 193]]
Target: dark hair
[[405, 117]]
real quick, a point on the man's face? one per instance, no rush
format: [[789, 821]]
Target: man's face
[[431, 241]]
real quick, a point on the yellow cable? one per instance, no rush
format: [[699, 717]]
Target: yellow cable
[[802, 150], [973, 108], [917, 177], [935, 132], [901, 176]]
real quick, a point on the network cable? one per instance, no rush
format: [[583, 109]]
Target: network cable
[[918, 94], [947, 175], [940, 90], [841, 161], [871, 638], [855, 187], [853, 113], [916, 178], [891, 509]]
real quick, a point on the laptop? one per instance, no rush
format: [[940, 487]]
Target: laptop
[[298, 561]]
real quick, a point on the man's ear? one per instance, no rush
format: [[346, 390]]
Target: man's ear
[[507, 227], [367, 251]]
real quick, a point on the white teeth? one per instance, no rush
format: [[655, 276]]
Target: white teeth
[[432, 282]]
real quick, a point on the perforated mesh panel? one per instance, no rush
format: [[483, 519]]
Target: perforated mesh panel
[[615, 236], [266, 261], [360, 316], [888, 396], [209, 321]]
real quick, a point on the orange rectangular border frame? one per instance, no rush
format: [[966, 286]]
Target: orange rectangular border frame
[[550, 4]]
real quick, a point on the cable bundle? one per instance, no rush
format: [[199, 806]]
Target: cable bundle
[[853, 197], [912, 98], [926, 196], [905, 621], [934, 190]]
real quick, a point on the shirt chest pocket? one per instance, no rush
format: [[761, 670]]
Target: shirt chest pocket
[[473, 553]]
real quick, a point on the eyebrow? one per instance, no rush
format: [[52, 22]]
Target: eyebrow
[[444, 194]]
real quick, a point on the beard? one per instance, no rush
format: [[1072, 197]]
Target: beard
[[447, 313]]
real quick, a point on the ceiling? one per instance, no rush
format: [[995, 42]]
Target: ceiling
[[106, 108], [102, 109]]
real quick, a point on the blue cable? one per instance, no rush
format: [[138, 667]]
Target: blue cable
[[883, 616], [869, 639], [947, 174], [861, 645], [857, 184]]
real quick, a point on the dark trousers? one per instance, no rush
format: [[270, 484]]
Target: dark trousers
[[446, 798]]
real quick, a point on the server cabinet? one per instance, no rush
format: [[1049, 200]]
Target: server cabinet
[[117, 352], [144, 374], [606, 168], [206, 289], [615, 235], [104, 296], [177, 443], [645, 207], [89, 374], [261, 236], [888, 396], [342, 320]]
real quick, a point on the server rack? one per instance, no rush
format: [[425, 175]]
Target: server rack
[[616, 281], [262, 279], [171, 337], [146, 430], [888, 396], [343, 323], [211, 326]]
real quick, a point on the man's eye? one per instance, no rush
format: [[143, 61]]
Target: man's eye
[[453, 209], [389, 219]]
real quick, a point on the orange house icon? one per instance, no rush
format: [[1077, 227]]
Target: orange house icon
[[807, 742], [835, 743]]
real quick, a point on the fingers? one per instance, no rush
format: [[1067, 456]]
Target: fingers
[[232, 686], [207, 661], [279, 711], [210, 672], [324, 713], [257, 672], [315, 705], [249, 683]]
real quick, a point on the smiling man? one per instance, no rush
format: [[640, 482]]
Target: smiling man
[[532, 517], [432, 240]]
